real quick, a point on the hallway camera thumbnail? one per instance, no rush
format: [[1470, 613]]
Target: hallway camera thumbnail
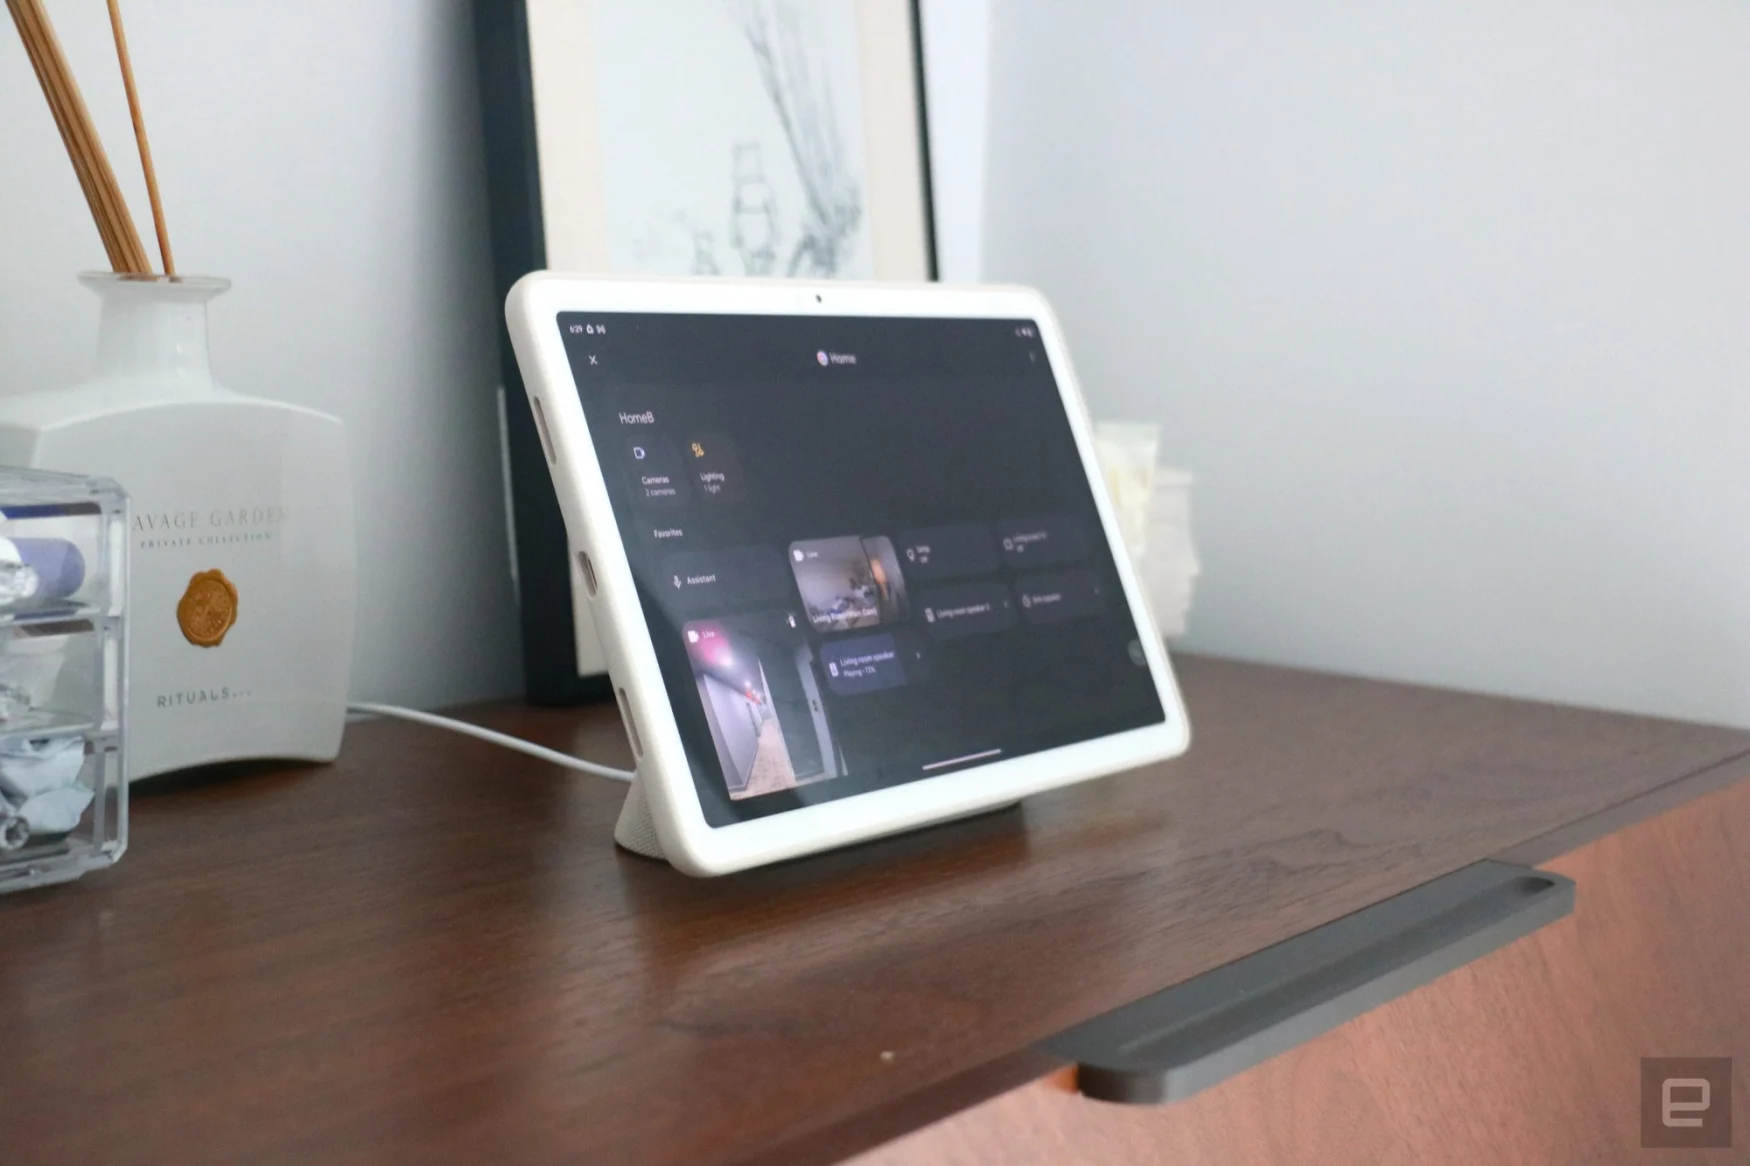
[[759, 684]]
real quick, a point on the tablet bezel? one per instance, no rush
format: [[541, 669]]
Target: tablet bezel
[[689, 842]]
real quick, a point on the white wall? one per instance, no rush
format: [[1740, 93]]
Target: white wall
[[956, 40], [1446, 304], [324, 155]]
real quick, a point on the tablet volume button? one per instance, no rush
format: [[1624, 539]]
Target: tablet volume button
[[631, 724], [541, 428], [588, 569]]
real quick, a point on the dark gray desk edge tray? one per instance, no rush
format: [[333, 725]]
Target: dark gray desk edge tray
[[1177, 1042]]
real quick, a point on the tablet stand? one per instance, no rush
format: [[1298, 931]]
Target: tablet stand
[[635, 831]]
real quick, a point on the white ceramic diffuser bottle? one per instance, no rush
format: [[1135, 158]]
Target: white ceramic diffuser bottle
[[243, 586]]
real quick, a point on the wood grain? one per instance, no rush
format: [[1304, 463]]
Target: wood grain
[[1531, 1054], [431, 952]]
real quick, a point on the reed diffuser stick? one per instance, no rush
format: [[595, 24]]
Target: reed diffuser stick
[[121, 52], [111, 247], [42, 63], [108, 209]]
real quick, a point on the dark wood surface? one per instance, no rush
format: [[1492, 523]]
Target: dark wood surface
[[1530, 1054], [430, 951]]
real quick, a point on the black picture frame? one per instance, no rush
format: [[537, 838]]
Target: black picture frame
[[519, 234]]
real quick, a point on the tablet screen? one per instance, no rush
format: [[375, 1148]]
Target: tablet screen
[[865, 547]]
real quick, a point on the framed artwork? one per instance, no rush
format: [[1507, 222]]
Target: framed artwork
[[762, 138]]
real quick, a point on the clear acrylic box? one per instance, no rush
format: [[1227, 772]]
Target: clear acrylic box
[[63, 676]]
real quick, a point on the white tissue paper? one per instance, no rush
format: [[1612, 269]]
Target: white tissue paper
[[1153, 505], [28, 672], [57, 811], [40, 793], [1170, 568], [40, 764], [14, 831]]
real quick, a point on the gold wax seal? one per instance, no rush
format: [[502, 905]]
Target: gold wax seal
[[207, 609]]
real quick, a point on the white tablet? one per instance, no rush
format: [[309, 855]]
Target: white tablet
[[848, 552]]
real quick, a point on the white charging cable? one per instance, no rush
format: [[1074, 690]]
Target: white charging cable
[[504, 739]]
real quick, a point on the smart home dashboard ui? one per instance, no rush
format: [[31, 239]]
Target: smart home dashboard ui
[[865, 548]]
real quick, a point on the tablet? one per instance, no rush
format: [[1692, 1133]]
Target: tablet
[[848, 552]]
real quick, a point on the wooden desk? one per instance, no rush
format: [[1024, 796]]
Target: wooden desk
[[431, 952]]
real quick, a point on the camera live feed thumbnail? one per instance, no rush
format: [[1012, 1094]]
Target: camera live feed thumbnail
[[849, 582], [757, 683]]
